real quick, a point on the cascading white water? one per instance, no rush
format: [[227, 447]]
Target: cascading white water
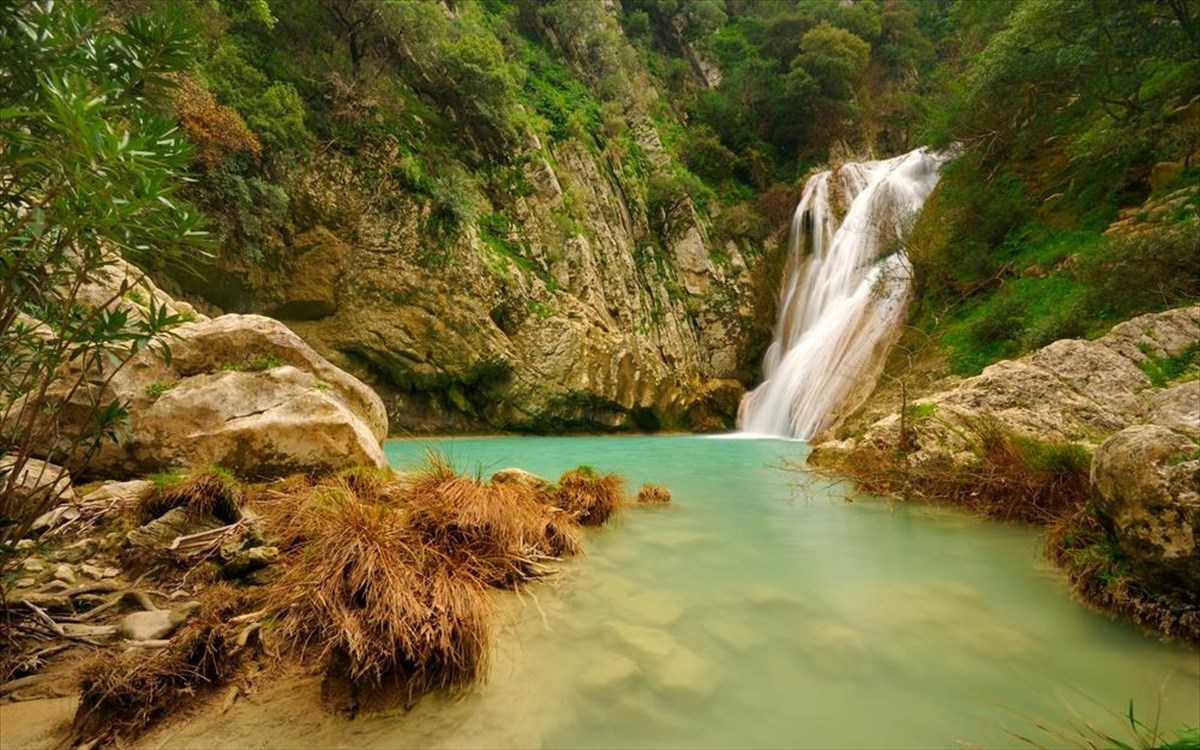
[[844, 296]]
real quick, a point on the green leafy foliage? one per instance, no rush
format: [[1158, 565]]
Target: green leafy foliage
[[90, 169]]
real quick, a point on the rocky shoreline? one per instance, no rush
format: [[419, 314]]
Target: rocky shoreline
[[1105, 436], [247, 522]]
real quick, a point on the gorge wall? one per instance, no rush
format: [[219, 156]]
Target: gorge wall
[[536, 262], [569, 320]]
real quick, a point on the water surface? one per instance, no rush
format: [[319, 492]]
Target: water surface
[[761, 609]]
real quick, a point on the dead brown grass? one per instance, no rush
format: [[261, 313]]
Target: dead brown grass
[[653, 494], [591, 499], [362, 587], [213, 492], [123, 695], [1011, 478], [500, 532]]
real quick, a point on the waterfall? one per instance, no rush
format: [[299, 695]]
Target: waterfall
[[844, 295]]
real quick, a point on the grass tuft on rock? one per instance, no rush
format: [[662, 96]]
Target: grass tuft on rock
[[500, 531], [1012, 477], [653, 494], [591, 499], [214, 492], [365, 593]]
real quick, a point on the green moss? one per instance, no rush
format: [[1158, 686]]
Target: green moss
[[1164, 370], [257, 363], [154, 390]]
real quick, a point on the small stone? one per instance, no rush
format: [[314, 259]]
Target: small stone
[[153, 626], [64, 573], [77, 551], [250, 560], [174, 523], [646, 641], [683, 671], [608, 671], [54, 517], [24, 583], [656, 608], [91, 571], [33, 565], [110, 572], [24, 544]]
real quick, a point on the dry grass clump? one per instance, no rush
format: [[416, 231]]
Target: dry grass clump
[[124, 695], [653, 494], [499, 531], [364, 589], [1013, 478], [591, 499], [214, 492], [370, 483]]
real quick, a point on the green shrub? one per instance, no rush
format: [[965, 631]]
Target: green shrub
[[1002, 320]]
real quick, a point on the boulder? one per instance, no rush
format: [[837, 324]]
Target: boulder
[[1178, 408], [1147, 479], [245, 393]]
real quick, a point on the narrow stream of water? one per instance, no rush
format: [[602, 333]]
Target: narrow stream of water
[[764, 610]]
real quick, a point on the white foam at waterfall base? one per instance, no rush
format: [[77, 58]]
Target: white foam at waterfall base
[[844, 296]]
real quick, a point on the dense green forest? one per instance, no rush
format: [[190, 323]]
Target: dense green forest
[[440, 118], [1063, 109]]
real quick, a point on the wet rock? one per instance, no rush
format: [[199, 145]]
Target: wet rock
[[152, 626], [174, 523], [247, 561], [736, 635], [684, 671], [1147, 479], [521, 477], [643, 640], [655, 608], [607, 671]]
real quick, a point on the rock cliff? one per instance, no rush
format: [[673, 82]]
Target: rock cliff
[[563, 315]]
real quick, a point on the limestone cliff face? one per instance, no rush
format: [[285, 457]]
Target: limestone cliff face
[[568, 317]]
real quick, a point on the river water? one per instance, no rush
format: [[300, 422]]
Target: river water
[[770, 607]]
